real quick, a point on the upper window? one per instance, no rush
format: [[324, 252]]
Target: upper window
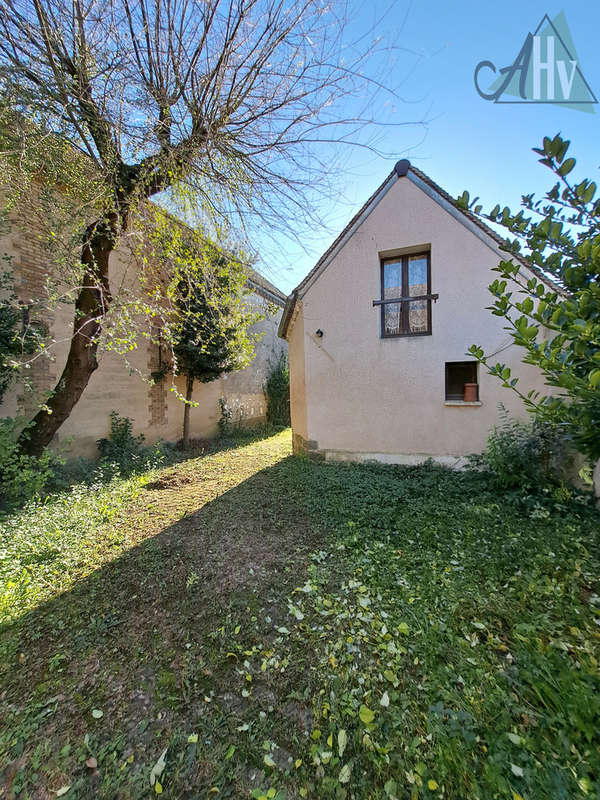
[[406, 295]]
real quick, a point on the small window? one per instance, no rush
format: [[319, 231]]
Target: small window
[[458, 374], [406, 295]]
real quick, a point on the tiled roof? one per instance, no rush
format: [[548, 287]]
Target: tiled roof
[[267, 287]]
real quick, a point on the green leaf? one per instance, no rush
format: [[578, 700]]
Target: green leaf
[[366, 715], [516, 770], [230, 751], [345, 773], [566, 167], [97, 714], [515, 738], [342, 741], [391, 676], [527, 305], [594, 378]]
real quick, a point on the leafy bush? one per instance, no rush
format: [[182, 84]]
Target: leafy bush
[[18, 335], [557, 326], [277, 392], [124, 453], [527, 455], [22, 477]]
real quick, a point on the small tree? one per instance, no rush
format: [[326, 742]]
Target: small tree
[[211, 330], [277, 392], [557, 325]]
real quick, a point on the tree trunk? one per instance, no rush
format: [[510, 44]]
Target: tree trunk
[[186, 412], [596, 479], [90, 308]]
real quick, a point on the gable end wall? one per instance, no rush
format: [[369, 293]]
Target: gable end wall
[[368, 397]]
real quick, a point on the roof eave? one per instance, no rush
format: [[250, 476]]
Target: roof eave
[[288, 310]]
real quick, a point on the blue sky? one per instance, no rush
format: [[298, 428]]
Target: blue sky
[[468, 142]]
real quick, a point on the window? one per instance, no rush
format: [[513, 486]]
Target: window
[[406, 295], [457, 374]]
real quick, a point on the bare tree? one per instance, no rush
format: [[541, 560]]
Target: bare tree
[[226, 98]]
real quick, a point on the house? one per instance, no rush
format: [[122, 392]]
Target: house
[[379, 330], [125, 386]]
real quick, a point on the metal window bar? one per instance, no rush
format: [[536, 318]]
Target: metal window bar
[[433, 297]]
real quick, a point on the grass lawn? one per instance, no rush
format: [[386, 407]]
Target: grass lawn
[[248, 624]]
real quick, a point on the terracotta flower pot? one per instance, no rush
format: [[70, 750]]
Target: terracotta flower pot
[[470, 393]]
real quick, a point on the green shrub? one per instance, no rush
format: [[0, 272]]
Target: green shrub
[[226, 419], [526, 455], [277, 392], [124, 453], [18, 335], [22, 477]]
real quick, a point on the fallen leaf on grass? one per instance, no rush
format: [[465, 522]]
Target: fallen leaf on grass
[[158, 768]]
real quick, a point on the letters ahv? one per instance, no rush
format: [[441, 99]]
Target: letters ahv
[[546, 70]]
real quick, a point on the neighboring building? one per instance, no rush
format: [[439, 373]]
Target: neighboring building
[[381, 380], [156, 411]]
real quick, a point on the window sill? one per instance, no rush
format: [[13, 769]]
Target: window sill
[[463, 403]]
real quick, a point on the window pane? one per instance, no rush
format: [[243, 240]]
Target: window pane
[[392, 280], [417, 276], [457, 374], [392, 319], [417, 315]]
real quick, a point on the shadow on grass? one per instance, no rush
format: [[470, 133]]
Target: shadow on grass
[[145, 638]]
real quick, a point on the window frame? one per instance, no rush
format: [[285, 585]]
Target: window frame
[[405, 300], [447, 366]]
